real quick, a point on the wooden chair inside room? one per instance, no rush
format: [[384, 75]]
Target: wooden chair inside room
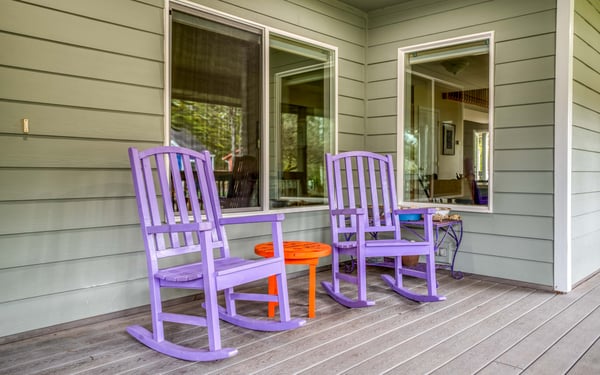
[[195, 241], [364, 223], [243, 183]]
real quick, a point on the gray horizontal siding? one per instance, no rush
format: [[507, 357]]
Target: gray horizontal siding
[[523, 121], [585, 190], [90, 79]]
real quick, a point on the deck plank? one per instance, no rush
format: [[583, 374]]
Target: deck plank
[[453, 345], [528, 350], [485, 326], [485, 352], [574, 344], [589, 363], [470, 311]]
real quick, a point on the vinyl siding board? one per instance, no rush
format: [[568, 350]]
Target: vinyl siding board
[[525, 70], [48, 152], [531, 47], [524, 182], [382, 107], [524, 138], [584, 118], [29, 249], [382, 89], [586, 161], [382, 125], [533, 227], [539, 114], [534, 272], [352, 124], [350, 142], [585, 182], [382, 71], [585, 96], [81, 62], [28, 86], [524, 93], [511, 247], [584, 139], [351, 88], [83, 274], [383, 144], [19, 184], [586, 204], [50, 215], [524, 204], [351, 106], [351, 70], [64, 121], [523, 160]]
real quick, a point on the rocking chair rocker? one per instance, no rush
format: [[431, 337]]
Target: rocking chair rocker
[[365, 223], [198, 232]]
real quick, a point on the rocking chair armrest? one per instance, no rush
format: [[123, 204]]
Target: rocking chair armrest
[[265, 218], [349, 211], [182, 227]]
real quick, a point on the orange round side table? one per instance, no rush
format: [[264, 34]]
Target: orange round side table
[[297, 252]]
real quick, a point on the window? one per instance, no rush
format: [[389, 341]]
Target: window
[[301, 121], [445, 101], [218, 96]]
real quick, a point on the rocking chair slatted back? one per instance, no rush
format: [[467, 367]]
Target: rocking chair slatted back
[[363, 181]]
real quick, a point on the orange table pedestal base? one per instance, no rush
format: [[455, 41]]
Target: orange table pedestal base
[[297, 252]]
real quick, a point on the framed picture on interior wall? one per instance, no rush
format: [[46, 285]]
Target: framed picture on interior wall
[[448, 135]]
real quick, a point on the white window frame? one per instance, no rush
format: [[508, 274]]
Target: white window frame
[[265, 139], [402, 52]]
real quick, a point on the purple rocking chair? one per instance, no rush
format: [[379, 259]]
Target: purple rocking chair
[[365, 224], [198, 232]]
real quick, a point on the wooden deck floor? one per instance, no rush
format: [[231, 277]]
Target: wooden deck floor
[[484, 327]]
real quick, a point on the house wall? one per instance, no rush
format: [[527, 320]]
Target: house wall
[[89, 77], [516, 240], [585, 188]]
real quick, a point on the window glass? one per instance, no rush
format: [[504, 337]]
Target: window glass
[[218, 72], [215, 101], [446, 126], [300, 122]]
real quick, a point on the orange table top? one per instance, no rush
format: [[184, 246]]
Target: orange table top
[[295, 249]]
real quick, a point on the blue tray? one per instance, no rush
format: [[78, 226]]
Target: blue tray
[[409, 217]]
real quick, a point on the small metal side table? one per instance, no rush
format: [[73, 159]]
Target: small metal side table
[[452, 229]]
